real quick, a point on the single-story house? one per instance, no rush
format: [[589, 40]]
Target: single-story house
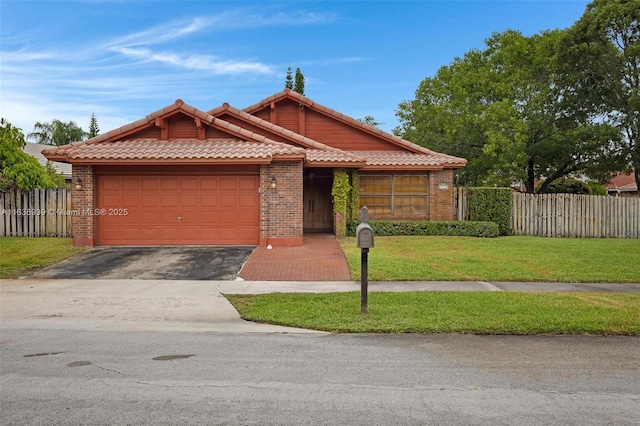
[[35, 150], [623, 185], [263, 175]]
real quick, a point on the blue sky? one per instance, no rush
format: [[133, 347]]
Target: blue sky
[[124, 60]]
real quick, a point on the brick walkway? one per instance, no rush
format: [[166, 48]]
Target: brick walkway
[[319, 259]]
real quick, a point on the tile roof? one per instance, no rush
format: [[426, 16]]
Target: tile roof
[[333, 156], [175, 149], [35, 150], [383, 159]]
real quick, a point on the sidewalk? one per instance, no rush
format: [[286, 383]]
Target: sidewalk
[[262, 287]]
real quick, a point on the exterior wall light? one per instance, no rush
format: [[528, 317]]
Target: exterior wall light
[[78, 183], [273, 181]]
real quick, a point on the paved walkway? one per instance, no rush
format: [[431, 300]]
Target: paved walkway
[[320, 258]]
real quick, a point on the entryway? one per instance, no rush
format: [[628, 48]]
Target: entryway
[[317, 205]]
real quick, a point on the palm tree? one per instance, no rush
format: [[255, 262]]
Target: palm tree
[[57, 133]]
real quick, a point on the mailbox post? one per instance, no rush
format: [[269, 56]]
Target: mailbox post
[[364, 241]]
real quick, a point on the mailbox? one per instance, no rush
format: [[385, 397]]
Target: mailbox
[[364, 236]]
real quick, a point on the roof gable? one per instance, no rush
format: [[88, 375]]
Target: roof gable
[[319, 116]]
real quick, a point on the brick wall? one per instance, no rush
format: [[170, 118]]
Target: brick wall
[[281, 207], [441, 205], [83, 202]]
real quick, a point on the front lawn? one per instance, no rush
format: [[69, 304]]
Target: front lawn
[[498, 259], [22, 255], [449, 312]]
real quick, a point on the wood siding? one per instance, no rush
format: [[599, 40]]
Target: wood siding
[[331, 132]]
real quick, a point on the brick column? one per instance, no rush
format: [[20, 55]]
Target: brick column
[[83, 222], [281, 207], [441, 197]]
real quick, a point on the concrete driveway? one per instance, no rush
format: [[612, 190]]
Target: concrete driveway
[[124, 305], [152, 263]]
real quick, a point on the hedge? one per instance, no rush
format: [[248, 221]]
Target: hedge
[[385, 228], [491, 205]]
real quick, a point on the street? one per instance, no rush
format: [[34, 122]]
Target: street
[[145, 377]]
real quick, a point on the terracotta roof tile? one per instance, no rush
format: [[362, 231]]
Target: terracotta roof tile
[[382, 159], [333, 156], [176, 149]]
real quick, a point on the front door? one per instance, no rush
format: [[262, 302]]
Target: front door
[[318, 216]]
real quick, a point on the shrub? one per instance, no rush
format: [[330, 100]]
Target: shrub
[[386, 228], [491, 205], [567, 186]]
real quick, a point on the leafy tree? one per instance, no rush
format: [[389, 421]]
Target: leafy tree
[[57, 133], [370, 120], [288, 80], [605, 44], [298, 87], [568, 185], [19, 169], [506, 109], [94, 130]]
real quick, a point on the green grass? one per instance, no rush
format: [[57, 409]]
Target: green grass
[[20, 256], [449, 312], [498, 259]]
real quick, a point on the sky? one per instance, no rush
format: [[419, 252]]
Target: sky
[[123, 60]]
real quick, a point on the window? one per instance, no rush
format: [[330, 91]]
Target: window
[[395, 196]]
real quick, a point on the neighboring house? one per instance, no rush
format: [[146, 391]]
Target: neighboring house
[[623, 185], [35, 150], [262, 175]]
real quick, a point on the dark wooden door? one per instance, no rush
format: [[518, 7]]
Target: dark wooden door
[[318, 215]]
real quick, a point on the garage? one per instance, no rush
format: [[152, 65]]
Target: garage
[[177, 209]]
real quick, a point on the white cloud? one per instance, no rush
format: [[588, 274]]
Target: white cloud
[[198, 62]]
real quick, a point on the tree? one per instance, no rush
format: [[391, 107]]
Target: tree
[[605, 43], [94, 130], [288, 80], [298, 87], [57, 133], [19, 169], [370, 120], [506, 109]]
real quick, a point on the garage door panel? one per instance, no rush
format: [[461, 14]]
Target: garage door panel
[[214, 209]]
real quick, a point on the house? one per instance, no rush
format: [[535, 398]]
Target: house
[[623, 185], [35, 150], [262, 175]]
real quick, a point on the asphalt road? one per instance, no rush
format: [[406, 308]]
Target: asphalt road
[[109, 377], [152, 263]]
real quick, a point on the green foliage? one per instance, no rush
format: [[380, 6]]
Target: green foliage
[[298, 86], [510, 111], [597, 188], [604, 45], [19, 169], [288, 80], [340, 193], [387, 228], [566, 186], [370, 120], [491, 205], [57, 133], [94, 130]]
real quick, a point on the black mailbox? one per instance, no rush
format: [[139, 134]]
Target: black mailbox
[[364, 236]]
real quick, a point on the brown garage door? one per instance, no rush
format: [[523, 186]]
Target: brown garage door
[[178, 210]]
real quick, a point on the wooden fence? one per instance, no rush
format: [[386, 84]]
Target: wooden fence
[[567, 215], [35, 213]]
